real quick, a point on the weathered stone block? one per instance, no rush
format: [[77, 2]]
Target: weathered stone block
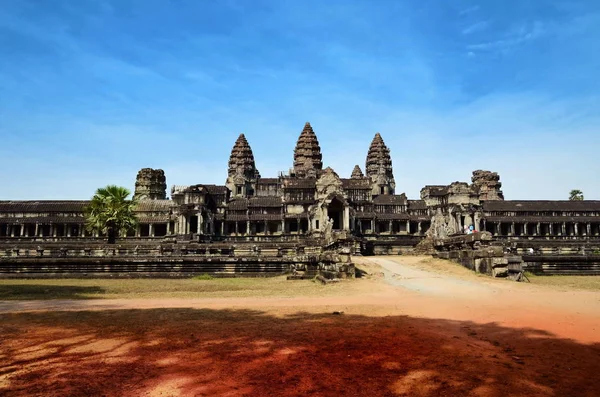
[[499, 262], [500, 272]]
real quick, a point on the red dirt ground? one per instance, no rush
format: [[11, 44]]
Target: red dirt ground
[[428, 335]]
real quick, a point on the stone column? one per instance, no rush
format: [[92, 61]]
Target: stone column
[[68, 227], [11, 228], [54, 230], [138, 230], [526, 228], [576, 228], [372, 225], [283, 226], [407, 227], [22, 234], [538, 229], [497, 228], [37, 229], [564, 229], [551, 228], [248, 228], [419, 228], [512, 229], [236, 228], [346, 224], [391, 226], [187, 226], [266, 228], [200, 223], [150, 230], [589, 229], [222, 228]]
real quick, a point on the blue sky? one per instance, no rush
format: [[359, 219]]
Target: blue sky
[[93, 90]]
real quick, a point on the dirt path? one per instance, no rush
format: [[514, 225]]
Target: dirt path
[[421, 330]]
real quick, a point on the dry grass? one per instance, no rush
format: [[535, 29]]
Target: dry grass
[[42, 289], [588, 283]]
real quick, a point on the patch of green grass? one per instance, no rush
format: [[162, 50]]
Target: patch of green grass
[[204, 276]]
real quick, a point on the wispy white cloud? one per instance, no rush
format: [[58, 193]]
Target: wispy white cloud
[[476, 27], [520, 35], [469, 10]]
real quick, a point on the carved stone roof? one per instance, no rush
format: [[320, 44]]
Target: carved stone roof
[[153, 205], [266, 217], [417, 205], [357, 173], [299, 183], [436, 190], [268, 181], [307, 154], [154, 219], [389, 199], [238, 204], [544, 205], [364, 214], [42, 220], [241, 160], [236, 217], [44, 206], [378, 158], [216, 189], [265, 201], [358, 183]]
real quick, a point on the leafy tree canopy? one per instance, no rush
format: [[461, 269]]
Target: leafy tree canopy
[[575, 194]]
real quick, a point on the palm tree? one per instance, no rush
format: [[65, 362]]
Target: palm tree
[[575, 195], [110, 212]]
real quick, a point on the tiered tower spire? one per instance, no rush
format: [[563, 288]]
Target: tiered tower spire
[[357, 173], [241, 161], [308, 160], [242, 173], [379, 167]]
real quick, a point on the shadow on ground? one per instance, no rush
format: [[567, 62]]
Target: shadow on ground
[[41, 291], [245, 352]]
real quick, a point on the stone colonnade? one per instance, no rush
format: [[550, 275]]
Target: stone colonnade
[[542, 229]]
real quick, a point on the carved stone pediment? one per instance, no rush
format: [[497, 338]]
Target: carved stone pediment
[[328, 184], [239, 179]]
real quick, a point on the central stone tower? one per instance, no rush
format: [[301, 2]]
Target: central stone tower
[[308, 161], [379, 167], [242, 173]]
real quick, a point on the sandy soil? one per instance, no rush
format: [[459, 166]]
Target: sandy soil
[[417, 328]]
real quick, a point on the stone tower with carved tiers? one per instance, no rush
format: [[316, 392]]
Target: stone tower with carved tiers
[[150, 184], [357, 173], [308, 161], [379, 167], [242, 173], [487, 184]]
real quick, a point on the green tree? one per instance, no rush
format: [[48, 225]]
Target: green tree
[[576, 194], [110, 212]]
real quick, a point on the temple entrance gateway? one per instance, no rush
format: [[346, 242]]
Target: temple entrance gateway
[[335, 211]]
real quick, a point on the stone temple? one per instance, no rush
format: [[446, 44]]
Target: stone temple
[[302, 212]]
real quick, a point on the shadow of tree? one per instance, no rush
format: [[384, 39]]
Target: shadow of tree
[[247, 352], [43, 291]]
